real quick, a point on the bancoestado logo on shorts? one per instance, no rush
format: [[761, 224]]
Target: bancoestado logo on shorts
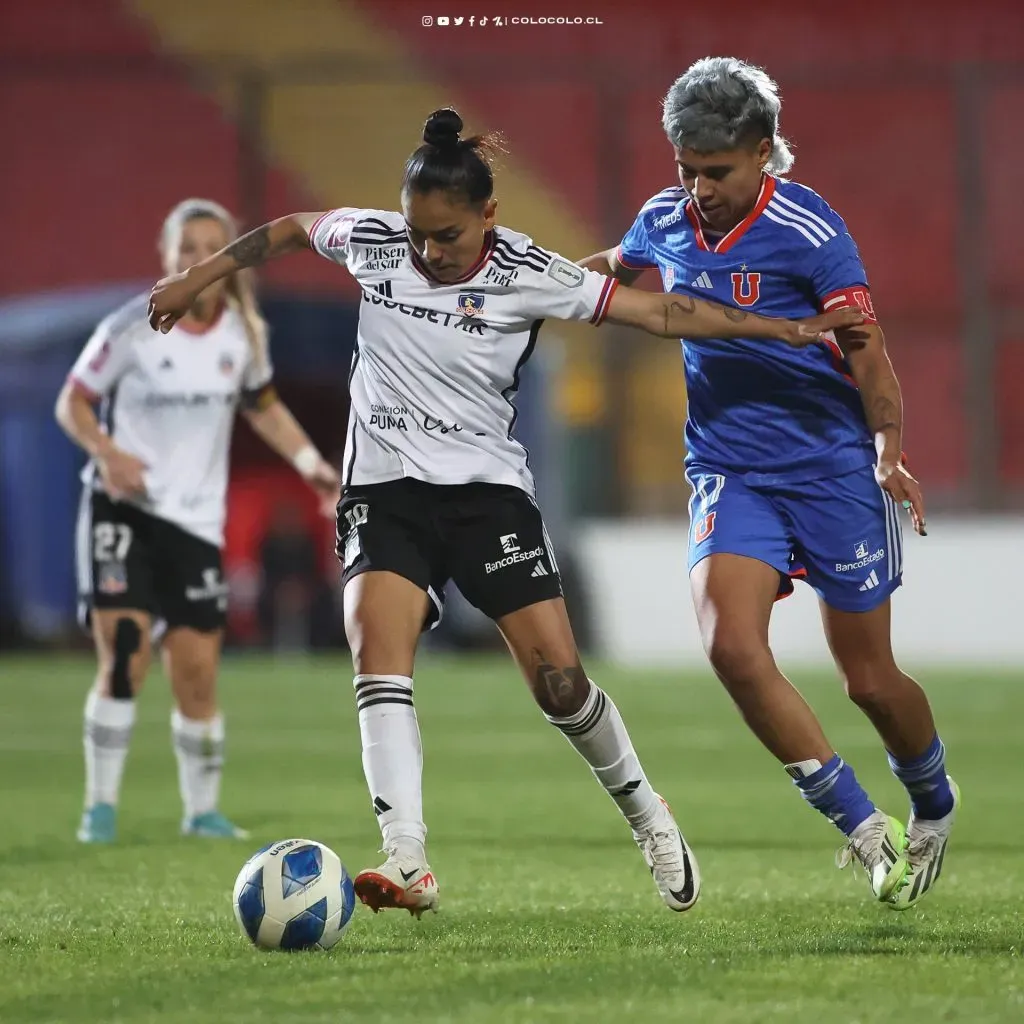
[[519, 556], [876, 556]]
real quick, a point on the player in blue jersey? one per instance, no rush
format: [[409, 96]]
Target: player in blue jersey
[[794, 457]]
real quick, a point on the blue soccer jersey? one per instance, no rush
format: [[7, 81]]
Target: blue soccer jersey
[[763, 409], [779, 454]]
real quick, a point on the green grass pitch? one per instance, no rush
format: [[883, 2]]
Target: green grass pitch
[[548, 913]]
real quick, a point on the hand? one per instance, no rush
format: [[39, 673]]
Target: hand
[[800, 333], [895, 480], [122, 474], [171, 298], [324, 479]]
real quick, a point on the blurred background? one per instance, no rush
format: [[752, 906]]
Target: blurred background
[[905, 117]]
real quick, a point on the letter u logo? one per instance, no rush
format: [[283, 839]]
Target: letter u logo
[[746, 288], [704, 527]]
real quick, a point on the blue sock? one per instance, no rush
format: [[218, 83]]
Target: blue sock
[[926, 782], [834, 790]]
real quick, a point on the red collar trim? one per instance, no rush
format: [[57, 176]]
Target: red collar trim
[[198, 328], [485, 255], [727, 241]]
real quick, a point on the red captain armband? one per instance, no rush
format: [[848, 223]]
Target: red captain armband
[[856, 295]]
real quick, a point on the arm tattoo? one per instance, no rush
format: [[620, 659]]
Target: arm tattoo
[[252, 249], [883, 405], [684, 305], [557, 689], [879, 389], [883, 414]]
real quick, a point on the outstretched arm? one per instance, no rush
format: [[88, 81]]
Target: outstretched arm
[[608, 263], [674, 315], [173, 296]]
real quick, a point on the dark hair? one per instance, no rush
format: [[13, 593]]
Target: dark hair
[[447, 163]]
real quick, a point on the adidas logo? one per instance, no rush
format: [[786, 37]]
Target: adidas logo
[[870, 583], [628, 789], [384, 288], [704, 281], [539, 570]]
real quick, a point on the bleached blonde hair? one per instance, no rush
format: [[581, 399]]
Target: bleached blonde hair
[[241, 285]]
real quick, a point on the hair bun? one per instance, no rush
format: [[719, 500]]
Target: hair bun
[[442, 129]]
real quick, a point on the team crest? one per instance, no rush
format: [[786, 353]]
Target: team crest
[[670, 278], [226, 364], [113, 578], [746, 288], [340, 232], [704, 527], [470, 303]]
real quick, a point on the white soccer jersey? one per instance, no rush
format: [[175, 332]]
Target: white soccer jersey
[[436, 364], [170, 400]]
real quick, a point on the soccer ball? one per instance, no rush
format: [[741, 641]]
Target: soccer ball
[[294, 894]]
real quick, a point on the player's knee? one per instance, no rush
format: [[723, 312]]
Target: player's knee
[[382, 628], [194, 681], [869, 683], [380, 652], [128, 659], [379, 646], [738, 659]]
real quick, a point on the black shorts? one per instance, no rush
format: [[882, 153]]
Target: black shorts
[[489, 539], [132, 560]]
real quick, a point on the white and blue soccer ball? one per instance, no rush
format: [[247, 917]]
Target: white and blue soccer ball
[[294, 894]]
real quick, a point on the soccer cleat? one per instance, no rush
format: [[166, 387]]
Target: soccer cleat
[[880, 844], [99, 824], [212, 825], [926, 851], [672, 863], [401, 882]]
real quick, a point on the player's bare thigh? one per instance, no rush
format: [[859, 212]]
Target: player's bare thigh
[[191, 660], [733, 596], [123, 652], [541, 640], [384, 616]]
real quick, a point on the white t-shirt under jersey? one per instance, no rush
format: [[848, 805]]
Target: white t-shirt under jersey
[[437, 365], [170, 400]]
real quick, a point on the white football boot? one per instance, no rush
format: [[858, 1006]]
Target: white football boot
[[672, 863], [880, 844], [403, 881], [926, 851]]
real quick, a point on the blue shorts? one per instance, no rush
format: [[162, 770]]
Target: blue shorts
[[842, 534]]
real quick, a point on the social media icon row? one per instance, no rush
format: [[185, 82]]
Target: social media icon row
[[443, 20]]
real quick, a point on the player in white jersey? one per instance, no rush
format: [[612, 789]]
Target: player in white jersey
[[436, 486], [151, 522]]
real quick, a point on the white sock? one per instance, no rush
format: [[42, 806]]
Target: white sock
[[199, 749], [392, 759], [108, 731], [599, 735]]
